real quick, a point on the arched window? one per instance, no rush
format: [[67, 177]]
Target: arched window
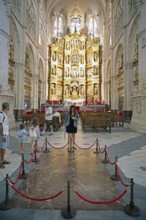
[[58, 26], [92, 24], [55, 28], [75, 20]]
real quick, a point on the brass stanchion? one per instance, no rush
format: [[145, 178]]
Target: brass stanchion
[[23, 175], [46, 149], [7, 203], [96, 149], [35, 160], [115, 176], [68, 212], [131, 209], [105, 157]]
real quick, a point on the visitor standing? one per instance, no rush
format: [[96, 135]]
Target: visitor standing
[[22, 135], [48, 118], [71, 123], [34, 132], [4, 134]]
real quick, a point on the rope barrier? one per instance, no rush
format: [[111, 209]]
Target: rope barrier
[[29, 161], [101, 202], [99, 148], [112, 163], [35, 159], [131, 209], [42, 148], [105, 156], [115, 176], [57, 147], [7, 203], [46, 150], [68, 212], [120, 176], [35, 199], [23, 175], [18, 176], [84, 148]]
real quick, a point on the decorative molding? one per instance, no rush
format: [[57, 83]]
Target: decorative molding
[[138, 4], [143, 42], [8, 5], [142, 38]]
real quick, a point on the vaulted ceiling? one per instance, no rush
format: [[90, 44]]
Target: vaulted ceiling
[[96, 6]]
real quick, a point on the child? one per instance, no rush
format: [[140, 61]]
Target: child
[[22, 135], [34, 132]]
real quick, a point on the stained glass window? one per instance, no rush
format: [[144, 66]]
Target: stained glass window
[[58, 27], [93, 29]]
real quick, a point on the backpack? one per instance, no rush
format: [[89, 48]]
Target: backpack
[[3, 117], [1, 128]]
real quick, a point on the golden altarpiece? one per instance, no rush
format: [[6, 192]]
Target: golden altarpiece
[[75, 69]]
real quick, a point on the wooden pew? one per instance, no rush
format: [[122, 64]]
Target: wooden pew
[[96, 120]]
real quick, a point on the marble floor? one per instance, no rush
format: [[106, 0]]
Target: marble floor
[[83, 170]]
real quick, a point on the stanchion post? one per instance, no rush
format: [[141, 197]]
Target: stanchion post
[[46, 149], [115, 176], [68, 212], [131, 209], [35, 160], [96, 148], [23, 175], [6, 204], [105, 157]]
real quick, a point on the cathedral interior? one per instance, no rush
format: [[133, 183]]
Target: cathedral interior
[[74, 52], [87, 53]]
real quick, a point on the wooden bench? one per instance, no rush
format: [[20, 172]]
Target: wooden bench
[[96, 120], [41, 120], [26, 118], [117, 119]]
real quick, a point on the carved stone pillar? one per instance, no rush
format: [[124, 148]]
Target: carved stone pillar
[[6, 94]]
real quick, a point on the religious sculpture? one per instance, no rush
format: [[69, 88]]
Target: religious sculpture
[[53, 90], [74, 93], [95, 89], [74, 66]]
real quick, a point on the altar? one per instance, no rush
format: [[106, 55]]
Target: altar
[[75, 69], [78, 102]]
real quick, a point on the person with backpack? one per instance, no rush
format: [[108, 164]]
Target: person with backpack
[[4, 134]]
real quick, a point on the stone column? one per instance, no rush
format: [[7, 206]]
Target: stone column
[[6, 94], [139, 96]]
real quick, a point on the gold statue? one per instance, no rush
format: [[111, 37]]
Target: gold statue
[[74, 93]]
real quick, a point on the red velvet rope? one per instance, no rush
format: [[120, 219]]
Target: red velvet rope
[[42, 148], [101, 202], [20, 169], [29, 161], [124, 184], [100, 149], [58, 147], [86, 147], [112, 163], [36, 199]]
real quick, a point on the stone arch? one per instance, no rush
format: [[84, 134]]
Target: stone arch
[[29, 77], [29, 60], [15, 37], [119, 58], [13, 71]]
